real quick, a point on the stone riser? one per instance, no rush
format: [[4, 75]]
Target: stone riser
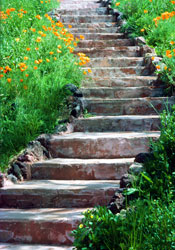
[[116, 62], [39, 197], [22, 246], [130, 81], [133, 92], [86, 19], [116, 72], [117, 124], [88, 11], [38, 226], [74, 6], [91, 25], [94, 30], [105, 145], [107, 36], [80, 169], [104, 43], [122, 51], [140, 106]]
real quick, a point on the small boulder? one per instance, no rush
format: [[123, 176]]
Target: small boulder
[[136, 168], [117, 203], [143, 157], [126, 181]]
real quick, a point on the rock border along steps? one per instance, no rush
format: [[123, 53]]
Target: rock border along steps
[[88, 163]]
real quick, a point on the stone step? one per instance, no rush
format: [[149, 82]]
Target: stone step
[[119, 51], [76, 6], [129, 81], [91, 25], [105, 43], [128, 106], [117, 123], [6, 246], [122, 92], [87, 19], [116, 71], [81, 169], [88, 11], [99, 36], [100, 145], [93, 30], [39, 226], [116, 62], [58, 193]]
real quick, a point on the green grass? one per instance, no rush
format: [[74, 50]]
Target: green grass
[[37, 61]]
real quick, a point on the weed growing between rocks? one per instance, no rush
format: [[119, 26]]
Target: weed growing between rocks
[[155, 20], [37, 61]]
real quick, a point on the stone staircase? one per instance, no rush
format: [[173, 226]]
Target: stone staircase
[[88, 163]]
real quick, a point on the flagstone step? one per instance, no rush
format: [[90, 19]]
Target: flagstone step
[[5, 246], [116, 62], [58, 193], [122, 92], [128, 106], [100, 145], [100, 36], [116, 71], [88, 11], [131, 123], [81, 169], [76, 6], [94, 30], [129, 81], [105, 43], [118, 51], [91, 25], [86, 18], [39, 226]]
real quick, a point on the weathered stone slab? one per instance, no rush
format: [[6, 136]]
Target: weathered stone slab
[[87, 19], [38, 226], [104, 43], [125, 51], [116, 62], [81, 169], [115, 71], [117, 123], [129, 81], [58, 194], [100, 145], [134, 106], [122, 92], [5, 246]]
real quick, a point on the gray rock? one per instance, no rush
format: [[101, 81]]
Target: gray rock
[[136, 168], [126, 181], [139, 41], [117, 202], [12, 178], [1, 180], [143, 157]]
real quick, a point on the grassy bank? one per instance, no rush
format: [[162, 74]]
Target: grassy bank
[[37, 61]]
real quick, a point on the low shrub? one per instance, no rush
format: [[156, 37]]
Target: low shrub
[[146, 225]]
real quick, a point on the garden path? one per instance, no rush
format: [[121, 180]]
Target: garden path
[[88, 163]]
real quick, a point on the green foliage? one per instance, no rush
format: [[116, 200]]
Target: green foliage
[[146, 225], [155, 20], [158, 180], [36, 63]]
